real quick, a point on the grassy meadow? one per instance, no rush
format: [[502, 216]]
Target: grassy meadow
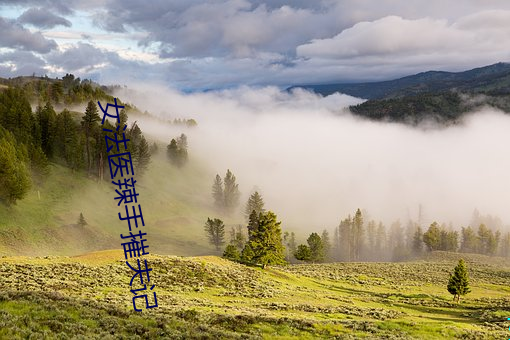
[[87, 297]]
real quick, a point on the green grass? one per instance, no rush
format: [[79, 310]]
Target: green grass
[[175, 204], [208, 297]]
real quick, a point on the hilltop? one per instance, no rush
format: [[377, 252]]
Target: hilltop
[[434, 95], [488, 79]]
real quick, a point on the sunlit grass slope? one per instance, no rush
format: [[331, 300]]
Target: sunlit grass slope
[[175, 204], [207, 297]]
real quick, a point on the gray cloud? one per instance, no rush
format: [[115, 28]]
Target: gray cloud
[[226, 43], [21, 63], [60, 6], [42, 18], [80, 56], [15, 36]]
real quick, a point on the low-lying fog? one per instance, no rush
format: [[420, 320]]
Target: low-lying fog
[[315, 163]]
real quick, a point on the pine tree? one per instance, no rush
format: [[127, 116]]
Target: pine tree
[[289, 240], [81, 220], [432, 237], [237, 237], [371, 238], [458, 284], [182, 145], [143, 158], [67, 137], [89, 124], [357, 234], [215, 230], [316, 247], [505, 245], [381, 246], [470, 242], [46, 118], [230, 192], [247, 254], [326, 243], [336, 245], [217, 193], [154, 149], [303, 253], [418, 241], [253, 225], [14, 175], [345, 233], [172, 152], [232, 253], [177, 151], [255, 203], [266, 241]]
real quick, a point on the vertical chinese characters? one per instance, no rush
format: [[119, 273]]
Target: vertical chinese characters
[[134, 245]]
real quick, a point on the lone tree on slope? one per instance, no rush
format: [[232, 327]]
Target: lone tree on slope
[[458, 284]]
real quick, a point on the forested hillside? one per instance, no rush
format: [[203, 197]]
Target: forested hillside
[[54, 195], [443, 97]]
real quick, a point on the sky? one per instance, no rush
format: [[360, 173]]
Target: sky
[[194, 45]]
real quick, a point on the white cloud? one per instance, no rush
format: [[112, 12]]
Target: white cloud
[[483, 37]]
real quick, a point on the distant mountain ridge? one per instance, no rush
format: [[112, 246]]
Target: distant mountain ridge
[[492, 79]]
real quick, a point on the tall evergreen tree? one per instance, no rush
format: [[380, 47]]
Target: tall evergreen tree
[[255, 203], [253, 225], [16, 114], [345, 231], [336, 245], [237, 237], [418, 241], [458, 283], [217, 193], [215, 231], [266, 241], [469, 241], [67, 138], [247, 254], [89, 124], [14, 175], [371, 239], [357, 233], [230, 192], [381, 246], [316, 247], [505, 245], [432, 237], [143, 158], [177, 151], [46, 117], [326, 243], [303, 253], [487, 240]]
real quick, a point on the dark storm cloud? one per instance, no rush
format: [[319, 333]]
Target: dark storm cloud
[[16, 36], [41, 18]]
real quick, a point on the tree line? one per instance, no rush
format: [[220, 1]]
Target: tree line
[[357, 240], [354, 239], [30, 140]]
